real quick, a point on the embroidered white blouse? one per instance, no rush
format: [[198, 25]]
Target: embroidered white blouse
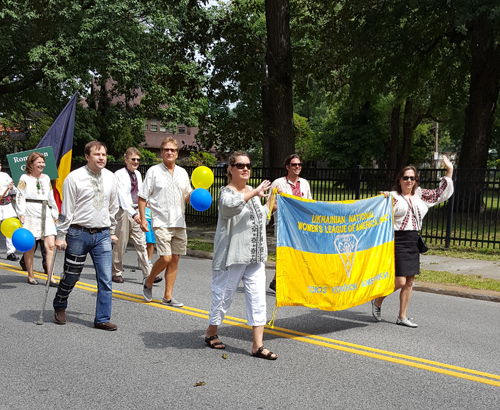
[[39, 189], [166, 194], [285, 185], [89, 200], [241, 230], [404, 219], [7, 210]]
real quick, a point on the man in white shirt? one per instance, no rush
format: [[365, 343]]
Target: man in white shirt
[[291, 184], [87, 225], [128, 221], [167, 187]]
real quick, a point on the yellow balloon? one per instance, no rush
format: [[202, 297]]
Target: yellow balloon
[[202, 177], [9, 225]]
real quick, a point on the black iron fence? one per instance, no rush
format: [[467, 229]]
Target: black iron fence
[[470, 218]]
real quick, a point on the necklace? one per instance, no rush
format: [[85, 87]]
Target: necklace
[[39, 187]]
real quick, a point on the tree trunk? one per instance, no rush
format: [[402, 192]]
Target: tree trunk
[[279, 64], [392, 161], [266, 117], [480, 111], [407, 136]]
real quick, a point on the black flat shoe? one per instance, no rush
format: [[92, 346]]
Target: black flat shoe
[[32, 282], [54, 284]]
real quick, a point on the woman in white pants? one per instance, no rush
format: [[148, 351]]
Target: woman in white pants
[[240, 253]]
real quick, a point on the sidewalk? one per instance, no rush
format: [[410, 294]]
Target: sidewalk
[[487, 269]]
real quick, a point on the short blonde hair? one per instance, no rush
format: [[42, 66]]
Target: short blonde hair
[[172, 140], [132, 151]]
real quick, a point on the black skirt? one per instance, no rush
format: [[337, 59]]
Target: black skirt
[[407, 256]]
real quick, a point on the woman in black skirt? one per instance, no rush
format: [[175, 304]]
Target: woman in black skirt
[[410, 206]]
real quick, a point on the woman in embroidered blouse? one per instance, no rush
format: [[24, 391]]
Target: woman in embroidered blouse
[[410, 206], [240, 253], [34, 187]]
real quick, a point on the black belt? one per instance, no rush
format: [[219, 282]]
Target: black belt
[[89, 230]]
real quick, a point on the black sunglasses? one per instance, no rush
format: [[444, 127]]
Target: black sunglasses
[[298, 164], [240, 165], [134, 159], [170, 149], [406, 178]]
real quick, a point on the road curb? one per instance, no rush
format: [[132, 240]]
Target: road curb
[[458, 291], [447, 290]]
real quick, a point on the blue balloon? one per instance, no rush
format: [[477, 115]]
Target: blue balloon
[[23, 240], [201, 199]]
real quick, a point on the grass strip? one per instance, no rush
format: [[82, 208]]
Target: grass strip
[[463, 252], [456, 279]]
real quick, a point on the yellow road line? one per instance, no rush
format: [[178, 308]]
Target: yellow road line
[[379, 354]]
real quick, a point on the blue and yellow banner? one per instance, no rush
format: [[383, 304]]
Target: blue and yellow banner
[[334, 255]]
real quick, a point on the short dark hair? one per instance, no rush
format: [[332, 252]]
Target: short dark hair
[[288, 160], [94, 144], [32, 158], [397, 184], [232, 160]]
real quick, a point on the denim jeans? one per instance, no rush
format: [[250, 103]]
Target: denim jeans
[[80, 243]]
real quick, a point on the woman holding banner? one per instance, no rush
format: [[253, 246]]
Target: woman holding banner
[[37, 210], [411, 204], [240, 253]]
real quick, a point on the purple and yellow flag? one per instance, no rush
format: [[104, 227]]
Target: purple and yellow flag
[[334, 255], [60, 138]]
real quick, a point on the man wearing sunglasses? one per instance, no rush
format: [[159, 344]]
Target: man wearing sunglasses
[[291, 184], [167, 188], [128, 221]]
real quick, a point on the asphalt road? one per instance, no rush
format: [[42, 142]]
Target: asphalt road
[[327, 360]]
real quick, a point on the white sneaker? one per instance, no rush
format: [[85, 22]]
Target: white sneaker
[[406, 322], [376, 311], [172, 302], [147, 291]]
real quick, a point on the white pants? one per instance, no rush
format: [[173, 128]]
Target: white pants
[[224, 286]]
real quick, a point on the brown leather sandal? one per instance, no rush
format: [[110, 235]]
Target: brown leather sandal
[[216, 345], [260, 355]]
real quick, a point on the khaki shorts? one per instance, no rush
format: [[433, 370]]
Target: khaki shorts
[[170, 241]]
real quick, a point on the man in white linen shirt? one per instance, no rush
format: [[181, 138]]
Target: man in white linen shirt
[[291, 184], [128, 221], [87, 225], [167, 187]]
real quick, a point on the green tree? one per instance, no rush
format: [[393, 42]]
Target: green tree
[[115, 49]]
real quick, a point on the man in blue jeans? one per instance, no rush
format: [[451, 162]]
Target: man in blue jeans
[[87, 225]]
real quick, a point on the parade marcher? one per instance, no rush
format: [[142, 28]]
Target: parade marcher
[[87, 225], [128, 221], [7, 189], [167, 188], [290, 184], [37, 211], [240, 253], [411, 204]]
